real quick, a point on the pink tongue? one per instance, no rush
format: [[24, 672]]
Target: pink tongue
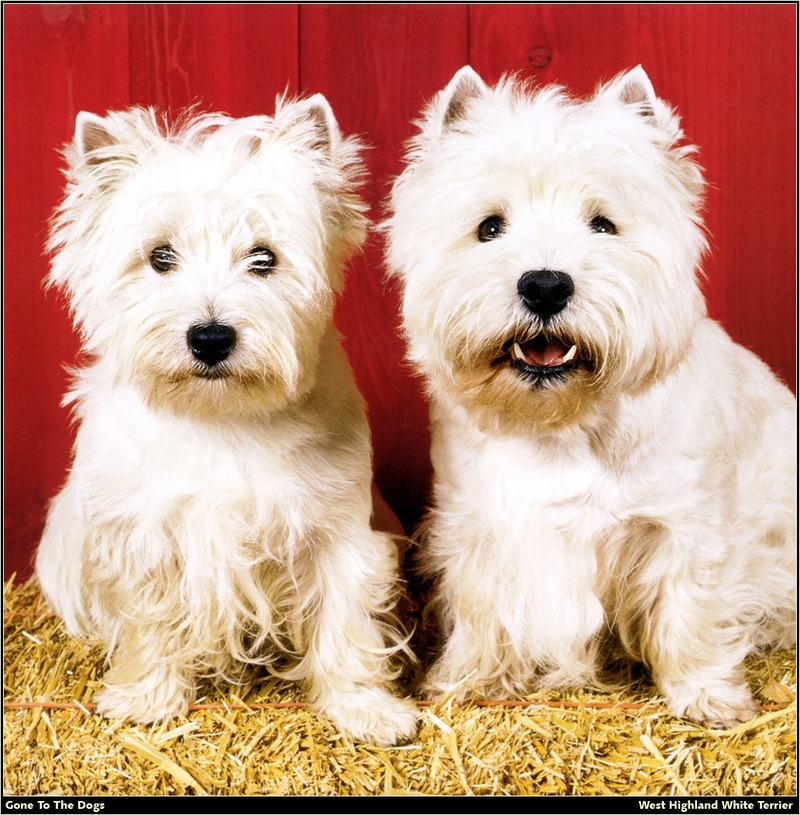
[[543, 353]]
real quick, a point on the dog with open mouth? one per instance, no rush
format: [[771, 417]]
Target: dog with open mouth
[[612, 473]]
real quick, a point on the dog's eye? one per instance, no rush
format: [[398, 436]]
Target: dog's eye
[[163, 259], [602, 225], [261, 260], [491, 228]]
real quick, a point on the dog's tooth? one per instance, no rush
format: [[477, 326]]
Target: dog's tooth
[[570, 354], [517, 352]]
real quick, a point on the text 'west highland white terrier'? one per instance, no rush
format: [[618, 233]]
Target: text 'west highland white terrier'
[[217, 511], [607, 461]]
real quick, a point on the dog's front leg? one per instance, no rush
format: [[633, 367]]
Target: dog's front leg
[[700, 679], [149, 679], [676, 615], [349, 668], [517, 607]]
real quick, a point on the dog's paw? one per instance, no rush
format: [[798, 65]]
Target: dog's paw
[[373, 715], [718, 714], [146, 701], [718, 705]]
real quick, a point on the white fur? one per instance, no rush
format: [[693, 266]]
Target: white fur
[[217, 515], [649, 492]]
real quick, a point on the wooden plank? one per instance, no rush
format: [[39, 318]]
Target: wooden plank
[[741, 109], [377, 65], [575, 45], [729, 68], [54, 59], [233, 58]]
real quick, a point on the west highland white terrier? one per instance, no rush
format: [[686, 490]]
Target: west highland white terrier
[[217, 512], [607, 460]]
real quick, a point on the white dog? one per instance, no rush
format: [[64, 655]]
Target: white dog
[[606, 459], [217, 511]]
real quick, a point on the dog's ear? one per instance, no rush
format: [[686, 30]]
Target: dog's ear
[[633, 89], [316, 114], [455, 98], [320, 113], [92, 133], [117, 139], [310, 127]]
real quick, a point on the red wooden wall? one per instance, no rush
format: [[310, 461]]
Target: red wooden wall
[[730, 69]]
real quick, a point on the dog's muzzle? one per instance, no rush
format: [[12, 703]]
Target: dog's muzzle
[[546, 355]]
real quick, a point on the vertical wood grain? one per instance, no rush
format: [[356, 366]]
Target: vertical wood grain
[[57, 60], [377, 65], [730, 69], [741, 104], [229, 58]]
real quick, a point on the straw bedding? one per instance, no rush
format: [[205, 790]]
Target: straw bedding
[[260, 739]]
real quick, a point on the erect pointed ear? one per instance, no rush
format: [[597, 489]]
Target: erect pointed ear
[[317, 112], [92, 133], [115, 142], [464, 86], [632, 88]]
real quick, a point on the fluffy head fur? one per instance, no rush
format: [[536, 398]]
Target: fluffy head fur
[[548, 167], [217, 511], [215, 191], [608, 463]]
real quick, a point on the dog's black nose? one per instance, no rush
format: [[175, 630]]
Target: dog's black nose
[[211, 343], [545, 292]]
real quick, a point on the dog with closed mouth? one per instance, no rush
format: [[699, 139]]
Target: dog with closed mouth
[[217, 511]]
